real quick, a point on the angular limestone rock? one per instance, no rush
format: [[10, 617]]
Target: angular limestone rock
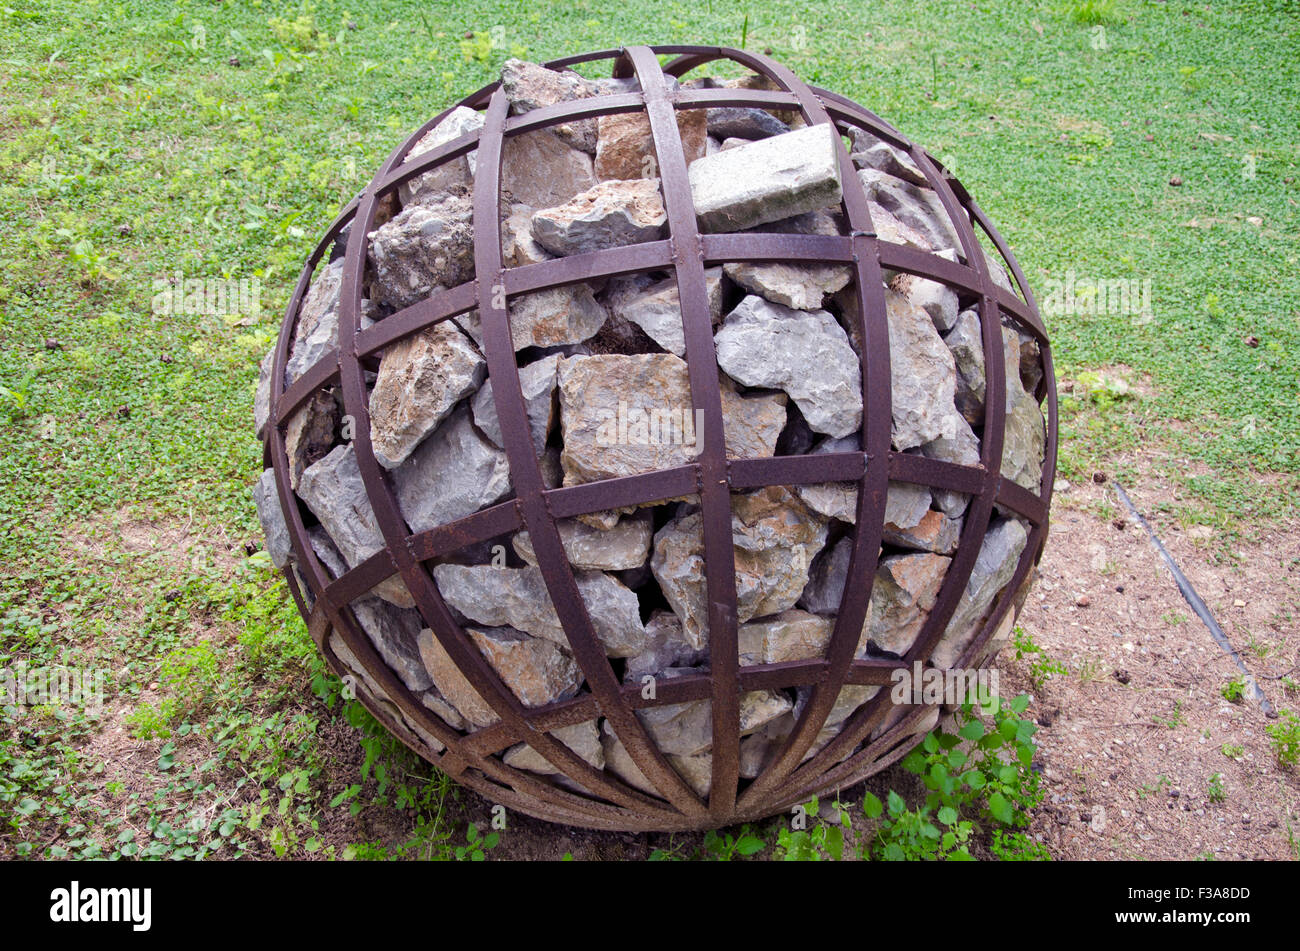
[[262, 399], [395, 632], [621, 548], [420, 381], [918, 208], [540, 170], [744, 122], [625, 148], [870, 151], [451, 683], [517, 598], [537, 381], [518, 246], [309, 434], [333, 490], [582, 738], [788, 636], [999, 554], [609, 215], [805, 353], [686, 729], [967, 348], [453, 473], [776, 537], [536, 670], [766, 180], [622, 415], [797, 286], [666, 646], [657, 309], [529, 86], [833, 499], [902, 594], [316, 332], [278, 547], [555, 317], [905, 591], [428, 246], [936, 299], [922, 375], [450, 176]]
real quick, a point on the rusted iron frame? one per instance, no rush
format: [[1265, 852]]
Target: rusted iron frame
[[776, 250]]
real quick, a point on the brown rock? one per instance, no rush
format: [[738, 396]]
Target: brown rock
[[625, 148]]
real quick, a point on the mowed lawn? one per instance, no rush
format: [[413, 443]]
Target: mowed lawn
[[1150, 143]]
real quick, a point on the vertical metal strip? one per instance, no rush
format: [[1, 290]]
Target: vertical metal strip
[[706, 395]]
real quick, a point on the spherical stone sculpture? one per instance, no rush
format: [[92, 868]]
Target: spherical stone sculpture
[[629, 441]]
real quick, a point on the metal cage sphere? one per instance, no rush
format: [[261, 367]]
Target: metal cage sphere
[[574, 792]]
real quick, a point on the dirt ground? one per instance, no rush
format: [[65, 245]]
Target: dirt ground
[[1133, 736]]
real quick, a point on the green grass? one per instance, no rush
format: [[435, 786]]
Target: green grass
[[138, 140]]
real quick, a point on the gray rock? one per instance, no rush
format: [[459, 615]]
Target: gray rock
[[922, 376], [316, 332], [657, 309], [686, 729], [621, 415], [453, 473], [271, 515], [833, 499], [902, 594], [964, 450], [555, 317], [541, 171], [621, 548], [394, 632], [918, 208], [890, 228], [789, 636], [744, 122], [870, 151], [529, 86], [935, 298], [536, 670], [427, 247], [392, 589], [609, 215], [1000, 552], [695, 770], [420, 381], [776, 538], [451, 683], [333, 490], [262, 400], [797, 286], [967, 348], [458, 173], [666, 646], [518, 246], [767, 180], [309, 433], [582, 738], [805, 353], [537, 381], [517, 598]]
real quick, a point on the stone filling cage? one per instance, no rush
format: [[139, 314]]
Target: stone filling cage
[[790, 777]]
